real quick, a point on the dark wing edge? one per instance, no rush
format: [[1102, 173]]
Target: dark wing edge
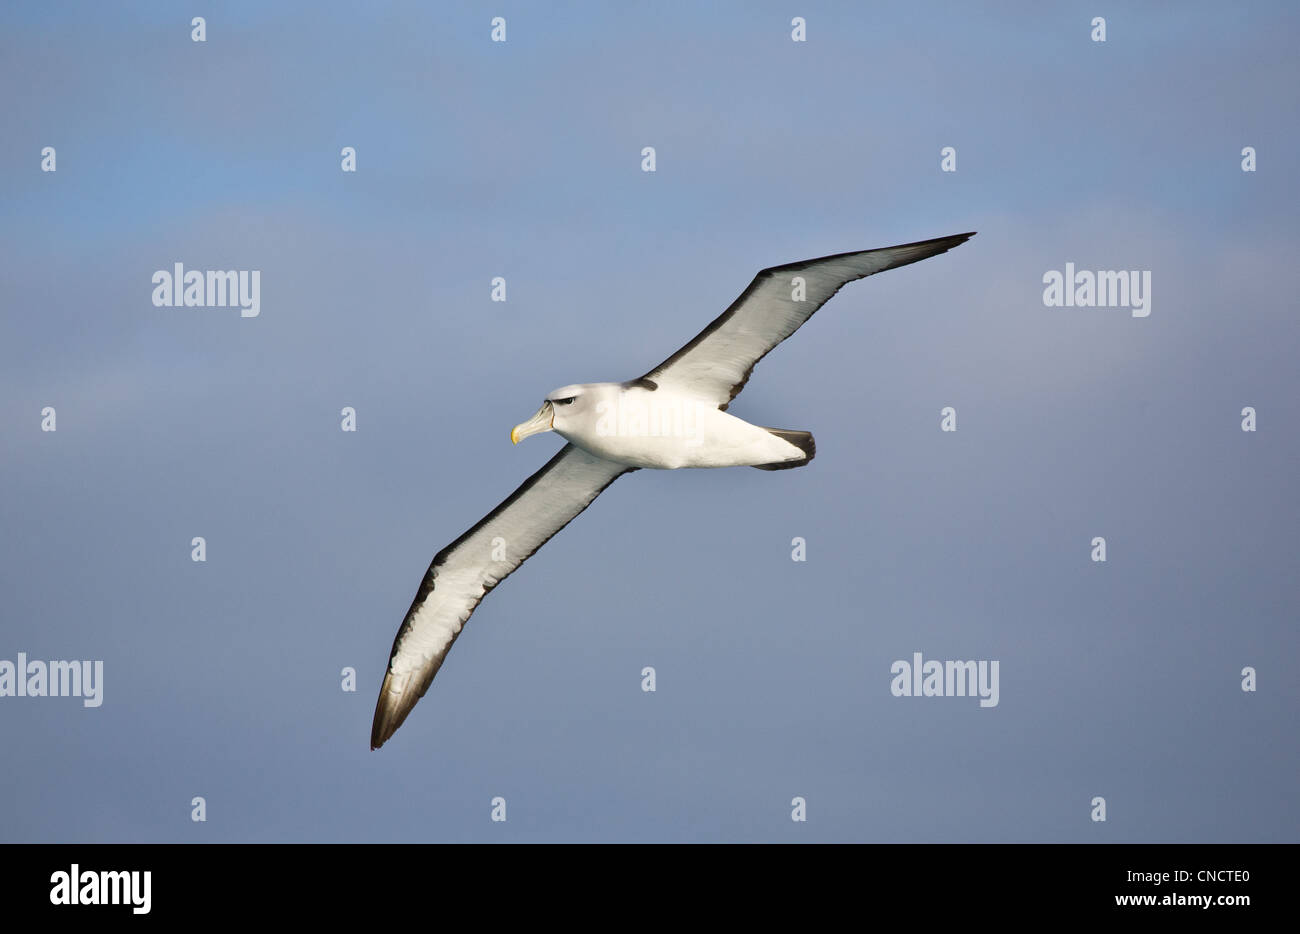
[[392, 709], [938, 244]]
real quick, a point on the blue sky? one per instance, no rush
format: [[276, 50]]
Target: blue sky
[[479, 159]]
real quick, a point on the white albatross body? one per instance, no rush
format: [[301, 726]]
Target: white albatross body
[[633, 425], [673, 417]]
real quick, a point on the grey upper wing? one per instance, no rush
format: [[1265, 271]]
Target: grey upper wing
[[717, 363], [463, 572]]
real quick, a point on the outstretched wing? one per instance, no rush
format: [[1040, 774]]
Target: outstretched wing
[[717, 363], [463, 572]]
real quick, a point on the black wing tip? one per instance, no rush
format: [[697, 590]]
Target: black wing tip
[[380, 730], [948, 242], [951, 240], [938, 245], [390, 712], [383, 727], [387, 720]]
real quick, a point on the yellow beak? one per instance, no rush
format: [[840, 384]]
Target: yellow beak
[[544, 420]]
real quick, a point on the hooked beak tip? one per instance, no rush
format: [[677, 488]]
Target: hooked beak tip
[[544, 420]]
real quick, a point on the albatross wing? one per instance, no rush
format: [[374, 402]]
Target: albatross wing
[[717, 363], [463, 572]]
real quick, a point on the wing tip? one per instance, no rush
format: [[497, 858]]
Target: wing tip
[[924, 249], [936, 245], [379, 732], [384, 727], [940, 244], [390, 710]]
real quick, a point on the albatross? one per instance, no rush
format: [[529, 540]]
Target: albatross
[[672, 417]]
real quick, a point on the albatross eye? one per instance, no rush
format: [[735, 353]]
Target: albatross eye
[[568, 401]]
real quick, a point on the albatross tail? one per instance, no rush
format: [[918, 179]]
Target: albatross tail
[[803, 440]]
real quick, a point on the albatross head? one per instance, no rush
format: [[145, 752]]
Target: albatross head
[[561, 407]]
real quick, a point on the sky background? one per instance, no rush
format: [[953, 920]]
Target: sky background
[[523, 159]]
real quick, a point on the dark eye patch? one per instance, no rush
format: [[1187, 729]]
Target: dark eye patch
[[568, 401]]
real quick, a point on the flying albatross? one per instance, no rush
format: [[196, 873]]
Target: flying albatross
[[674, 416]]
